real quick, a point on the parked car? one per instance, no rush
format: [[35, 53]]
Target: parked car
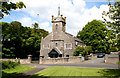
[[100, 55]]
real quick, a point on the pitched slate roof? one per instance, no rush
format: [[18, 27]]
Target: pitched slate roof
[[57, 50], [76, 39]]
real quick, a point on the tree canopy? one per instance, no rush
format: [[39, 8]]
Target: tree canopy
[[93, 35], [114, 23], [19, 41], [7, 6]]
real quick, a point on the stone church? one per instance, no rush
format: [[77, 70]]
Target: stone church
[[59, 43]]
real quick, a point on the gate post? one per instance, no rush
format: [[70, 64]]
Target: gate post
[[41, 59], [29, 58]]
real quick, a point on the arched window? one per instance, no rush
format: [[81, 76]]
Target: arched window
[[56, 26]]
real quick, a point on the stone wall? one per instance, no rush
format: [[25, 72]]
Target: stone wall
[[60, 60], [22, 61], [43, 60], [112, 58]]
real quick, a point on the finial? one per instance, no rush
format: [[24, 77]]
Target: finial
[[59, 10]]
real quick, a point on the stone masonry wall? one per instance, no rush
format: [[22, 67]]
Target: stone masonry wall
[[112, 58], [60, 60], [22, 61]]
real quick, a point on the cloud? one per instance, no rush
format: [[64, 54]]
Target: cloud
[[77, 15], [27, 21], [46, 25]]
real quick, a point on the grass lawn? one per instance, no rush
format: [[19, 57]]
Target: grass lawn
[[15, 71], [76, 71]]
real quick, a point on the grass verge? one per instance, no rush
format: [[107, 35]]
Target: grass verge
[[7, 73]]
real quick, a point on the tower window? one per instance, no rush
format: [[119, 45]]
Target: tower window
[[56, 26], [56, 44]]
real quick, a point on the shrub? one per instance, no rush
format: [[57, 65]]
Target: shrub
[[9, 64], [88, 49], [113, 49], [118, 63], [78, 50]]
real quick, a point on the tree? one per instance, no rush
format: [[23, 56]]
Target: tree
[[12, 40], [114, 23], [93, 34], [19, 41], [6, 7]]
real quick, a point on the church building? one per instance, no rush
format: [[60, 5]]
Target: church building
[[59, 43]]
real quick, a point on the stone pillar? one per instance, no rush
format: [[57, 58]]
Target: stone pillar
[[29, 58], [19, 60], [106, 58], [41, 59], [91, 54]]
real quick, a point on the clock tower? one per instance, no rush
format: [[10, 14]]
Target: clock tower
[[58, 23]]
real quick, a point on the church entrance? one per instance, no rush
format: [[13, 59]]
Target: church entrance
[[54, 54]]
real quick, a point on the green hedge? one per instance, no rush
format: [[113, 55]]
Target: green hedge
[[8, 64]]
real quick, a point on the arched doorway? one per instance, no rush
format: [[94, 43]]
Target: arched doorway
[[54, 53]]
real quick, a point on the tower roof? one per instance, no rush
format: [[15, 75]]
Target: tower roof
[[58, 11], [59, 18]]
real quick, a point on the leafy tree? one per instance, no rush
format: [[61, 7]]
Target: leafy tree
[[114, 23], [11, 38], [7, 6], [113, 49], [19, 41], [93, 34]]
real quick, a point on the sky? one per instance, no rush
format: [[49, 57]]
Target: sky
[[78, 13]]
